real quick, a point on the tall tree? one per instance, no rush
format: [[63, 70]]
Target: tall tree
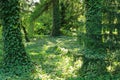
[[56, 19], [112, 32], [14, 51], [62, 13], [93, 60]]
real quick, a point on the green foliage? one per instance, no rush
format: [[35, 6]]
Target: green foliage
[[43, 24], [98, 38], [38, 11], [70, 15]]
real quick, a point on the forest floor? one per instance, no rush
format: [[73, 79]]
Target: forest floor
[[54, 59]]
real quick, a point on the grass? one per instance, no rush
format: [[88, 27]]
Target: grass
[[54, 59]]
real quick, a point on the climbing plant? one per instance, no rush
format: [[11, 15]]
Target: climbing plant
[[14, 51]]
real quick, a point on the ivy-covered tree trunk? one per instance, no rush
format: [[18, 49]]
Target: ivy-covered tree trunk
[[93, 60], [14, 51], [56, 19]]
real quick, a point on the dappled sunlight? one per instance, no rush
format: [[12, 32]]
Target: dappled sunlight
[[67, 67], [51, 43], [54, 58], [115, 21], [33, 53], [78, 64], [114, 61], [40, 74], [64, 50], [45, 47], [112, 68], [64, 61], [30, 43]]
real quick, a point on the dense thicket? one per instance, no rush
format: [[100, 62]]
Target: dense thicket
[[93, 39], [101, 36]]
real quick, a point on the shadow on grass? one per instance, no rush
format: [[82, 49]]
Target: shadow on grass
[[54, 59], [15, 75], [54, 56]]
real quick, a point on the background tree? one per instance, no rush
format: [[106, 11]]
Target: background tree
[[93, 39], [56, 19], [111, 31], [69, 11]]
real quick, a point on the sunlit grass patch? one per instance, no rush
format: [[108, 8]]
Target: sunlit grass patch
[[54, 58]]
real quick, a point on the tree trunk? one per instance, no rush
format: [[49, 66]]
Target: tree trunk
[[56, 19], [63, 14], [93, 63], [14, 51]]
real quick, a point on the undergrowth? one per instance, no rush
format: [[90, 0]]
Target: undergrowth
[[57, 58]]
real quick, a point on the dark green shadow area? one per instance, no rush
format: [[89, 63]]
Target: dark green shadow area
[[16, 72]]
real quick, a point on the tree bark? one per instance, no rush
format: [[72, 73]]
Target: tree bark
[[93, 64], [14, 50], [56, 19]]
